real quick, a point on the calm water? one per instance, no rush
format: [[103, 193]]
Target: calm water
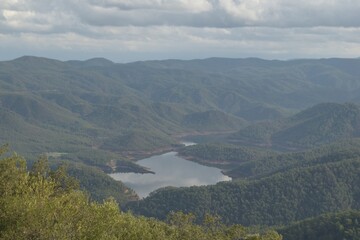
[[170, 170]]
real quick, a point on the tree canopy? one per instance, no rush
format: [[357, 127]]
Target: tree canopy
[[47, 204]]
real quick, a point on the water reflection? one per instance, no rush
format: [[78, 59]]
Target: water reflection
[[170, 170]]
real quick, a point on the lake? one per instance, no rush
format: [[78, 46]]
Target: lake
[[170, 170]]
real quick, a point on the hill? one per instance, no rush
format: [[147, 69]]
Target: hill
[[99, 185], [343, 225], [92, 104], [314, 183], [212, 121], [275, 163], [224, 156], [43, 204], [323, 123]]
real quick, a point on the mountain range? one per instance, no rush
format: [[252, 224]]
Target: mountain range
[[286, 131], [55, 106]]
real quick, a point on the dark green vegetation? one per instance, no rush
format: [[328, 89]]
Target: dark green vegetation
[[323, 123], [101, 114], [118, 110], [250, 162], [212, 121], [345, 225], [99, 185], [277, 190], [43, 204], [224, 156]]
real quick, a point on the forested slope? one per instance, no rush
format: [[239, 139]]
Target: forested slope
[[320, 124], [299, 192], [334, 226], [42, 204], [76, 105], [250, 162]]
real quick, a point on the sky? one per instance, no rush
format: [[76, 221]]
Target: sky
[[132, 30]]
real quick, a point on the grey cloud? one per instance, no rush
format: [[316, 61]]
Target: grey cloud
[[64, 15], [141, 43], [182, 28], [161, 5], [225, 13]]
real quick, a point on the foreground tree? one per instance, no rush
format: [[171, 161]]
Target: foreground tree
[[45, 204]]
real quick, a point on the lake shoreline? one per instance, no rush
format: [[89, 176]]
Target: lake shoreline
[[135, 156], [170, 170]]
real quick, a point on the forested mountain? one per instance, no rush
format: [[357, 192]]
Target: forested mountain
[[95, 104], [295, 187], [250, 162], [343, 225], [224, 156], [103, 114], [323, 123]]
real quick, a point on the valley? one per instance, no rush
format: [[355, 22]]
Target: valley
[[286, 133]]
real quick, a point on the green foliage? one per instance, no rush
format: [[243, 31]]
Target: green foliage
[[323, 123], [138, 141], [42, 204], [279, 198], [53, 106], [344, 225], [265, 166], [223, 155], [213, 121], [99, 185]]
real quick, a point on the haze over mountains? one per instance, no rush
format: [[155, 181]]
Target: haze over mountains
[[323, 123], [96, 103], [286, 131]]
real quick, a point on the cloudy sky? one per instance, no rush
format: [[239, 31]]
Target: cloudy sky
[[130, 30]]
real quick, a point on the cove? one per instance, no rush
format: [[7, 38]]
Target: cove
[[170, 170]]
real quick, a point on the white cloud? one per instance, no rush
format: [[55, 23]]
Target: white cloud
[[160, 5], [250, 10], [196, 13], [194, 28]]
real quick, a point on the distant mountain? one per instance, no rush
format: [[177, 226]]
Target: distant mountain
[[212, 121], [323, 123], [103, 114], [94, 62], [138, 141], [75, 105]]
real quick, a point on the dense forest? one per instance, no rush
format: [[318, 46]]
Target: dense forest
[[45, 204], [250, 162], [119, 111], [320, 124], [306, 185], [343, 225], [225, 156], [287, 132]]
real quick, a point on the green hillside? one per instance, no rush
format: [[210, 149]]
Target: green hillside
[[323, 123], [99, 116], [224, 156], [264, 166], [295, 192], [43, 204], [138, 141], [99, 185], [95, 101], [249, 162], [334, 226], [212, 121]]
